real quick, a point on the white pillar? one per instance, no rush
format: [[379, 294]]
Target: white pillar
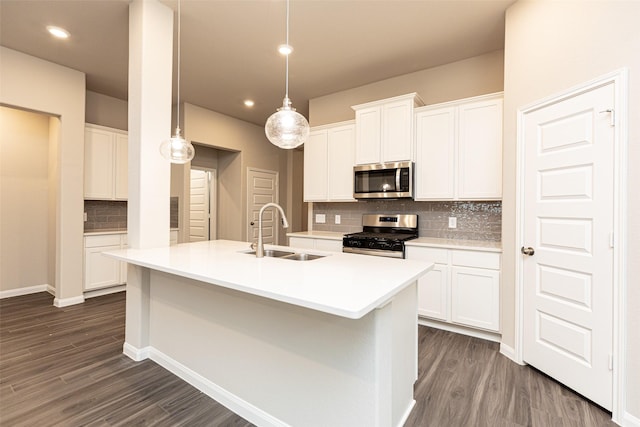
[[150, 83]]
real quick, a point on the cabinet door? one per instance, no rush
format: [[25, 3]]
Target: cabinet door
[[368, 135], [475, 297], [315, 167], [397, 131], [435, 154], [98, 164], [433, 293], [121, 166], [328, 245], [302, 242], [480, 150], [101, 271], [341, 158]]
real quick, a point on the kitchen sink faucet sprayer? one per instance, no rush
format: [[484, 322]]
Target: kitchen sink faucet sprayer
[[285, 224]]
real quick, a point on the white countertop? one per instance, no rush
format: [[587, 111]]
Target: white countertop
[[478, 245], [113, 231], [342, 284], [326, 235]]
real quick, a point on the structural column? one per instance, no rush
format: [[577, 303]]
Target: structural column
[[150, 88]]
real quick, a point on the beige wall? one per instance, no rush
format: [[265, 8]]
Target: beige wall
[[24, 204], [550, 47], [106, 111], [239, 145], [38, 85], [470, 77]]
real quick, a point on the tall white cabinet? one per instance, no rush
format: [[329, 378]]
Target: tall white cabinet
[[459, 150], [106, 163], [384, 129], [328, 163]]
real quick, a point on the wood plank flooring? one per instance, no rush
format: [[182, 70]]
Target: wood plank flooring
[[65, 367]]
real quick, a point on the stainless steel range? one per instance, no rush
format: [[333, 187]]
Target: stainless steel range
[[382, 235]]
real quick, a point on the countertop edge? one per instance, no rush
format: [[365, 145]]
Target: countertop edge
[[324, 235]]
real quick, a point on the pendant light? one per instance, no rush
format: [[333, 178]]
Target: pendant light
[[287, 128], [177, 149]]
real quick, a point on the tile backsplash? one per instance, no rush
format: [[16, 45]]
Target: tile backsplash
[[107, 214], [476, 220]]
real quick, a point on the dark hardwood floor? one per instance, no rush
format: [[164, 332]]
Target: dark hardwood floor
[[65, 367]]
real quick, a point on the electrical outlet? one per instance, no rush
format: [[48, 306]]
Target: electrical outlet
[[453, 222], [321, 218], [337, 219], [85, 217]]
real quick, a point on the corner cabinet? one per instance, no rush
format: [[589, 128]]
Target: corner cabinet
[[101, 271], [328, 163], [459, 150], [105, 163], [384, 129], [462, 289]]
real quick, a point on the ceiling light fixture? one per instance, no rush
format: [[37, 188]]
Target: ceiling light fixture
[[177, 149], [287, 128], [249, 103], [58, 32]]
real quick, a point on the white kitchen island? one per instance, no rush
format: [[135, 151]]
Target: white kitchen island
[[326, 342]]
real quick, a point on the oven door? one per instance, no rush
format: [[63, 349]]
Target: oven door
[[383, 181], [376, 252]]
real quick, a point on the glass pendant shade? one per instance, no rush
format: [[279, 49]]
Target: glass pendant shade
[[287, 128], [177, 149]]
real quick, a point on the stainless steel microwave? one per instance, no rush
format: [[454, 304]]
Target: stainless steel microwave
[[383, 181]]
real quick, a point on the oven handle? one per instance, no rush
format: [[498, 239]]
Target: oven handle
[[376, 252]]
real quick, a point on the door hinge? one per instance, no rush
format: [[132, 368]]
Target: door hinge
[[611, 361], [612, 116]]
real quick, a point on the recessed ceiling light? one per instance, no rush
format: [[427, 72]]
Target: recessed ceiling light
[[249, 103], [58, 32], [285, 49]]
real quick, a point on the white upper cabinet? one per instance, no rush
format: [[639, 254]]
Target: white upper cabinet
[[105, 163], [328, 163], [384, 129], [459, 150]]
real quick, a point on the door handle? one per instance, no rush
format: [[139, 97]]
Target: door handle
[[252, 223], [527, 251]]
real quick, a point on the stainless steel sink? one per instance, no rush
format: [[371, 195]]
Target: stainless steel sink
[[303, 257], [273, 253]]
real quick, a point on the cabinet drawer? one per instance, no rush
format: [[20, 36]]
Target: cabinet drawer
[[102, 240], [476, 259], [435, 255], [328, 245]]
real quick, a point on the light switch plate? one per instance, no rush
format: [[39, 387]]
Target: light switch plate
[[453, 222], [338, 219], [321, 218]]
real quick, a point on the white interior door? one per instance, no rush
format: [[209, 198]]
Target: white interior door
[[568, 223], [202, 206], [262, 189]]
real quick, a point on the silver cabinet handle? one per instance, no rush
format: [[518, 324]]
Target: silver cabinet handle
[[527, 251]]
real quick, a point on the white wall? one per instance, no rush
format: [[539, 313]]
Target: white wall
[[38, 85], [24, 204], [552, 46], [106, 111]]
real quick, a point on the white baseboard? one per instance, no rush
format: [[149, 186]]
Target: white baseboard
[[137, 354], [629, 420], [509, 353], [65, 302], [51, 290], [104, 291], [26, 291], [241, 407], [406, 414], [472, 332]]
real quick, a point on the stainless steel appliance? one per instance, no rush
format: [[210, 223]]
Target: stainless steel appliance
[[383, 181], [382, 235]]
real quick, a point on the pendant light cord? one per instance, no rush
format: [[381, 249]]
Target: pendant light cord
[[286, 90], [178, 101]]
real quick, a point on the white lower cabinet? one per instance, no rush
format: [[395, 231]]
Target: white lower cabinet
[[463, 288], [101, 271], [328, 245]]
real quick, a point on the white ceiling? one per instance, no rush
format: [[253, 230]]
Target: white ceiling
[[229, 46]]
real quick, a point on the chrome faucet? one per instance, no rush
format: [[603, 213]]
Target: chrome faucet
[[285, 224]]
